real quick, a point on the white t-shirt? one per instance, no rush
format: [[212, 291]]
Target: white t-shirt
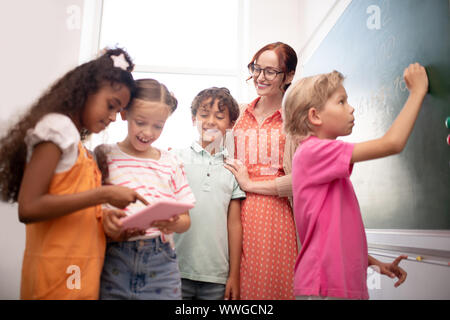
[[59, 129]]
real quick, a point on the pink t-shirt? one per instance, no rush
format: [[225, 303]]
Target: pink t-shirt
[[333, 259]]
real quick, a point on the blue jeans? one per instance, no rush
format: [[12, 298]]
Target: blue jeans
[[142, 270], [199, 290]]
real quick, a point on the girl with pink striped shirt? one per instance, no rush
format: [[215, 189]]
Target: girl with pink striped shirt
[[141, 264]]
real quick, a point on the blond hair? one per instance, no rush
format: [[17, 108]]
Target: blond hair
[[307, 93], [154, 91]]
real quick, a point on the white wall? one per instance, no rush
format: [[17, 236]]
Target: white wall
[[300, 23], [267, 21], [270, 21], [40, 41]]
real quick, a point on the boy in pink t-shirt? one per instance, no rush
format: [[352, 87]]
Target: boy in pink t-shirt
[[333, 239], [333, 260]]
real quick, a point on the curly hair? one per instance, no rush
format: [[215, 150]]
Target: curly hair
[[225, 98], [67, 96]]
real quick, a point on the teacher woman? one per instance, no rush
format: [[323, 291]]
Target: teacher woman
[[262, 169]]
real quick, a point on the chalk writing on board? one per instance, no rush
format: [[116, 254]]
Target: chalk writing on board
[[388, 47], [400, 84], [409, 190], [386, 16], [382, 98], [385, 50]]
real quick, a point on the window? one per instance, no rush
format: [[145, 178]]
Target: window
[[187, 45]]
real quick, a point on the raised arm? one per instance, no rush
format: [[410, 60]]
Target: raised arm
[[396, 137]]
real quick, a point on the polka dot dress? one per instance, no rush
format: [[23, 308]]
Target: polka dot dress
[[269, 246]]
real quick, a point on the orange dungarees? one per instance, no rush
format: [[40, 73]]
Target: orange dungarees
[[63, 257]]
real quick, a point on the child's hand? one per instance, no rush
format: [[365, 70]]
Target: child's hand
[[166, 226], [112, 225], [416, 79], [121, 197], [393, 270], [232, 290], [179, 223]]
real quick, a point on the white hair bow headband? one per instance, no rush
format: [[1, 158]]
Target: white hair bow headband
[[120, 62]]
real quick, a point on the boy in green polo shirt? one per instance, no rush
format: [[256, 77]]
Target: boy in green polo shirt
[[209, 253]]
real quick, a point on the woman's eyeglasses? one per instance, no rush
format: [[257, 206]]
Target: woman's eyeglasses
[[269, 73]]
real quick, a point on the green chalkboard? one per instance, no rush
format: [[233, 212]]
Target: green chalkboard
[[371, 44]]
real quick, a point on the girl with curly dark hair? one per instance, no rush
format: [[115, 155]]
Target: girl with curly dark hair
[[47, 170]]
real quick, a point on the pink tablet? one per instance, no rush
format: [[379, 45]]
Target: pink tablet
[[161, 210]]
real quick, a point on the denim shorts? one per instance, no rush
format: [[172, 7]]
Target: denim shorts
[[140, 270], [199, 290]]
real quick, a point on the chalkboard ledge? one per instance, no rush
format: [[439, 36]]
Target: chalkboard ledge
[[428, 246]]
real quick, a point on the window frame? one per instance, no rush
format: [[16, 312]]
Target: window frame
[[91, 39], [91, 36]]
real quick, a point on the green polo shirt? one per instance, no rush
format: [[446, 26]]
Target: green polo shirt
[[202, 251]]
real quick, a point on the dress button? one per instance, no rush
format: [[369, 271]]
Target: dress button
[[207, 174]]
